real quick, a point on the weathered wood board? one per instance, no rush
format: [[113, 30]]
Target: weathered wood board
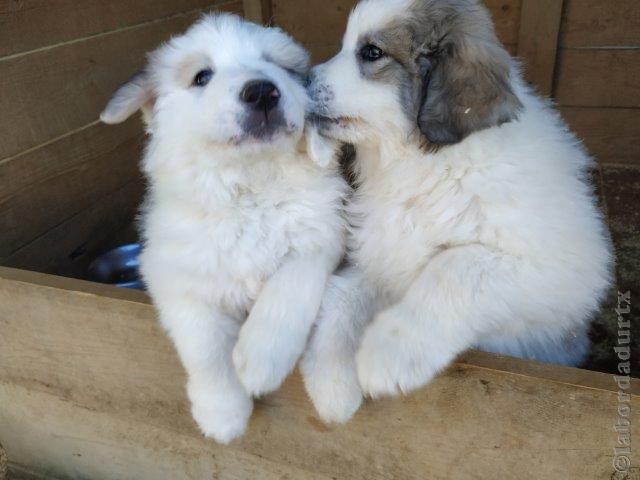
[[90, 387], [612, 135], [599, 77], [588, 23], [538, 41], [67, 20], [80, 77]]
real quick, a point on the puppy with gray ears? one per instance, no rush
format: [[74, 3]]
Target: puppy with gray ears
[[241, 226], [474, 224]]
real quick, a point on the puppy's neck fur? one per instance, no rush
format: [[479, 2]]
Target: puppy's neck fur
[[375, 160], [212, 181]]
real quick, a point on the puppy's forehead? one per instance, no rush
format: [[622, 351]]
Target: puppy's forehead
[[371, 16], [229, 40], [224, 37]]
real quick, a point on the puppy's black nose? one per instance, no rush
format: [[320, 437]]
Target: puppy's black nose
[[260, 95]]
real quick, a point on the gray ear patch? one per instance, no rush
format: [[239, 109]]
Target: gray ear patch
[[468, 87], [464, 97]]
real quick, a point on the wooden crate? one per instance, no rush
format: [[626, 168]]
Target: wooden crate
[[90, 387]]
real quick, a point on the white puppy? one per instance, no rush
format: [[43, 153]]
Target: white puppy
[[241, 228], [474, 223]]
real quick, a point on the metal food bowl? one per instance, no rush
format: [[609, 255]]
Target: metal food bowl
[[119, 267]]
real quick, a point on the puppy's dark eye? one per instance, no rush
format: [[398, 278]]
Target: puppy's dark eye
[[371, 53], [203, 77]]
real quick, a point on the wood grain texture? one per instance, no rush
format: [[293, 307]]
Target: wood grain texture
[[313, 22], [506, 15], [538, 41], [598, 78], [267, 12], [49, 93], [610, 134], [42, 188], [598, 23], [4, 464], [322, 53], [91, 388], [253, 10], [30, 24]]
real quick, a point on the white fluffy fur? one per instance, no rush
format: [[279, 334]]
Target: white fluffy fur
[[495, 242], [240, 234]]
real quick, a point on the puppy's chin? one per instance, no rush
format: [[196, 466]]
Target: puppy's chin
[[280, 139], [267, 130], [342, 129]]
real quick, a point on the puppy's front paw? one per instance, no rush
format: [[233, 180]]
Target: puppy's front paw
[[391, 359], [222, 418], [332, 385], [262, 362]]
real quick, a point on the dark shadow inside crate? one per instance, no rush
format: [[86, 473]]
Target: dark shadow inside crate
[[68, 248]]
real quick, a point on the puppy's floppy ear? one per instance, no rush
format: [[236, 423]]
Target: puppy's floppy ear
[[323, 151], [467, 88], [136, 94]]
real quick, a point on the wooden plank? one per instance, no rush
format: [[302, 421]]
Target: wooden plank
[[31, 24], [506, 15], [321, 53], [18, 473], [610, 134], [313, 21], [267, 12], [51, 92], [129, 450], [68, 248], [598, 78], [54, 183], [4, 464], [589, 23], [91, 388], [538, 41], [323, 22], [253, 10]]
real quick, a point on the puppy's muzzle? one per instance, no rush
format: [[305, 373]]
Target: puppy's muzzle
[[263, 117], [260, 95]]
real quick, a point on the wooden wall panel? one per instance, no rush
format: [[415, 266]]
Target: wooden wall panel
[[538, 41], [588, 23], [598, 78], [258, 11], [612, 135], [31, 24], [51, 92], [42, 188], [318, 24], [506, 15]]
